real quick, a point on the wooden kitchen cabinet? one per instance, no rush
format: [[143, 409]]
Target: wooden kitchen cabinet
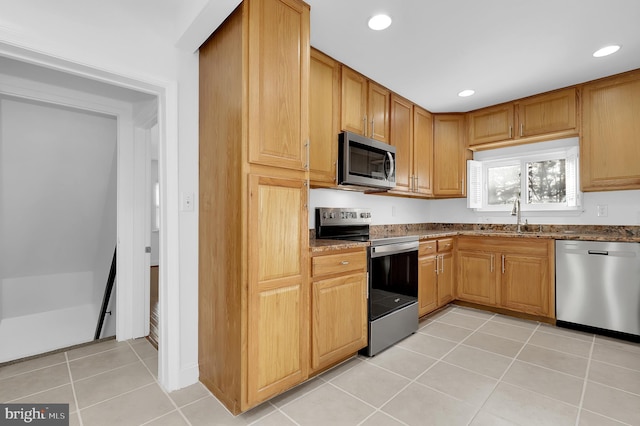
[[402, 139], [450, 155], [511, 273], [412, 136], [254, 293], [422, 157], [476, 275], [548, 116], [278, 69], [491, 124], [338, 306], [365, 106], [324, 119], [610, 143], [435, 274]]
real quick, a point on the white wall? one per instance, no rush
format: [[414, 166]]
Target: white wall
[[384, 209], [36, 294], [623, 209]]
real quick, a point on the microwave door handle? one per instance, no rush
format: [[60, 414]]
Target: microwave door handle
[[391, 165]]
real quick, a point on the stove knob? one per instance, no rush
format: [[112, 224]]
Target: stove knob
[[332, 215], [325, 215], [363, 215]]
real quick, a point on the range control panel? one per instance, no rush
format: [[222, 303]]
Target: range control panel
[[331, 216]]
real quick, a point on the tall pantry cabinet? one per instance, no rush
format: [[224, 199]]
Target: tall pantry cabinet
[[253, 254]]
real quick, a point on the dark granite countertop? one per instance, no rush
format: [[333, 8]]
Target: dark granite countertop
[[426, 231]]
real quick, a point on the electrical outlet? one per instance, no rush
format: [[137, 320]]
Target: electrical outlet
[[603, 210], [186, 202]]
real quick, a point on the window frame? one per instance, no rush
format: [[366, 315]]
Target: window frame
[[477, 176]]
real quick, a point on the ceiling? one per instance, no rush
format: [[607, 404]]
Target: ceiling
[[503, 49]]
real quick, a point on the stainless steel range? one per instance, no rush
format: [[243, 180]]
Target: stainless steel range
[[393, 274]]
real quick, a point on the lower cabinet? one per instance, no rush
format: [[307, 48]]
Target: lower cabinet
[[338, 306], [435, 274], [508, 273]]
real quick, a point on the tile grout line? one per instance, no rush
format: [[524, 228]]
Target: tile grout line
[[586, 380], [73, 389], [155, 380], [428, 368], [513, 360]]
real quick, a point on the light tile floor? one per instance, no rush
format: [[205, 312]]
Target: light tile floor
[[463, 367]]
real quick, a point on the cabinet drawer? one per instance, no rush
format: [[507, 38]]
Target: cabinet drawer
[[339, 263], [445, 244], [426, 248]]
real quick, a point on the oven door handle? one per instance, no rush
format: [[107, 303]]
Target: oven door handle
[[389, 249], [392, 166]]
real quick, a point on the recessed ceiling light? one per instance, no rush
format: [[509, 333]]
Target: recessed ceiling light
[[607, 50], [379, 22], [466, 93]]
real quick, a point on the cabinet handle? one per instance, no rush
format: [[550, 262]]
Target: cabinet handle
[[415, 186], [492, 262], [437, 265], [306, 146], [442, 263], [335, 180], [373, 128], [521, 129], [503, 263], [344, 262], [510, 132], [364, 124]]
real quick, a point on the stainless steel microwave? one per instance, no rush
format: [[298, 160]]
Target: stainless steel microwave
[[365, 162]]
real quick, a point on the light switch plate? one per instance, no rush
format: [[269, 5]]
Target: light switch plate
[[186, 202], [603, 210]]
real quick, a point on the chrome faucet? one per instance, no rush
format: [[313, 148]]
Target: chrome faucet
[[515, 211]]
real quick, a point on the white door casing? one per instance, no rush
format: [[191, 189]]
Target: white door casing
[[132, 292]]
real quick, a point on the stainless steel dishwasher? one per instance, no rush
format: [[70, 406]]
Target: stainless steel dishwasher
[[598, 285]]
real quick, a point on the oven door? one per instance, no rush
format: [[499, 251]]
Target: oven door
[[393, 278]]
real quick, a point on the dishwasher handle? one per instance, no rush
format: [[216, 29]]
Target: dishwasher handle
[[599, 252]]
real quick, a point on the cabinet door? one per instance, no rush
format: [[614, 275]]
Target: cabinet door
[[548, 113], [339, 318], [449, 155], [610, 143], [427, 285], [378, 112], [277, 296], [354, 102], [445, 279], [525, 284], [423, 150], [324, 118], [491, 124], [476, 277], [402, 139], [278, 83]]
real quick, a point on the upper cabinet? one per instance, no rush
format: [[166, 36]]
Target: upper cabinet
[[324, 118], [548, 116], [278, 83], [365, 106], [402, 139], [412, 136], [610, 143], [450, 155], [491, 124], [422, 151]]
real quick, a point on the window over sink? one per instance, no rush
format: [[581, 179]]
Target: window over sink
[[543, 176]]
